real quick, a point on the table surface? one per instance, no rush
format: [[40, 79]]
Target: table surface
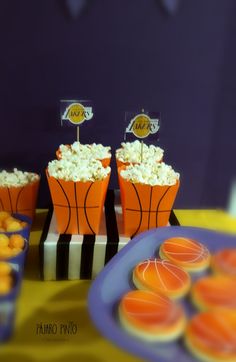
[[63, 305]]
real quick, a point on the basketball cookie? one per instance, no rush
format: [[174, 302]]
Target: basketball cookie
[[151, 316], [224, 262], [187, 253], [214, 292], [162, 276], [210, 336]]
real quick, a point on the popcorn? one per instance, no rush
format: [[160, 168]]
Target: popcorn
[[151, 173], [92, 151], [17, 178], [80, 170], [131, 152]]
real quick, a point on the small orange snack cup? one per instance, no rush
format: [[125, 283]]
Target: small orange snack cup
[[78, 205], [20, 199], [145, 206]]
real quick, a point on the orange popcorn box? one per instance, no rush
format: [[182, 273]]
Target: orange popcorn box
[[145, 206], [20, 199], [78, 205]]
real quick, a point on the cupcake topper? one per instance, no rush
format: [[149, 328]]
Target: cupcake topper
[[75, 112], [142, 125]]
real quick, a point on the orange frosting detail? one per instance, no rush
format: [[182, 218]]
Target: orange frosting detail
[[215, 291], [224, 262], [162, 276], [213, 334], [150, 310], [185, 252]]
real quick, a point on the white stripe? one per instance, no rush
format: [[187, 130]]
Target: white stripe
[[50, 251], [123, 240]]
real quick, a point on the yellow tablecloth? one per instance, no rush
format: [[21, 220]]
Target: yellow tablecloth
[[61, 306]]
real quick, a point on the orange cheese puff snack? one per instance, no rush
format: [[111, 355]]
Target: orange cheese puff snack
[[151, 316], [5, 252], [224, 262], [4, 240], [162, 276], [4, 215], [12, 224], [187, 253], [16, 241], [5, 268], [214, 292], [210, 336], [5, 284]]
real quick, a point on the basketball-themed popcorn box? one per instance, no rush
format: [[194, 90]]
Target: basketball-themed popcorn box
[[148, 192], [78, 192], [19, 192]]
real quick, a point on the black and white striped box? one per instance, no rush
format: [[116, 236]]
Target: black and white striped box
[[70, 257]]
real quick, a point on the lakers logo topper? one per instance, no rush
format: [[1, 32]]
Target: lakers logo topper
[[75, 112], [143, 125]]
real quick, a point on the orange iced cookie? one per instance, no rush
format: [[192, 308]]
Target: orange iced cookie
[[214, 292], [210, 336], [162, 276], [224, 262], [151, 316], [190, 254]]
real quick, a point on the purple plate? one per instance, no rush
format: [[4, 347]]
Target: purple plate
[[115, 280]]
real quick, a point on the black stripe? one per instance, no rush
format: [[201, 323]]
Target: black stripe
[[111, 226], [173, 219], [77, 207], [63, 248], [136, 210], [150, 204], [42, 240], [86, 265], [2, 204]]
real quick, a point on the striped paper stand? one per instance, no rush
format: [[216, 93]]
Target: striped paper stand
[[70, 257]]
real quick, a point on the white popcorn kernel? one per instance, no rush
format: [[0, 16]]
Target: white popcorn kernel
[[131, 152], [81, 170], [17, 178], [85, 151], [150, 173]]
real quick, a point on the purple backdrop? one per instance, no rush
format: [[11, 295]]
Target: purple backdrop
[[124, 55]]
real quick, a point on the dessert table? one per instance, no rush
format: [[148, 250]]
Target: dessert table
[[52, 320]]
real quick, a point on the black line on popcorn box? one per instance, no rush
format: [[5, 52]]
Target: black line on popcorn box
[[42, 240], [87, 251], [18, 197], [158, 205], [141, 211], [63, 249], [111, 226], [85, 212], [9, 195]]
